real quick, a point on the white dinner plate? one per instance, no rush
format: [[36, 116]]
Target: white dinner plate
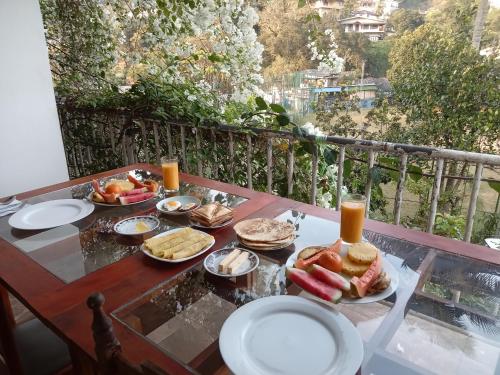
[[211, 262], [386, 267], [289, 335], [51, 214], [145, 251]]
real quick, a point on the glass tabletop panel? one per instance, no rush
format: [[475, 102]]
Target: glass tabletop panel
[[74, 250], [453, 318], [183, 316]]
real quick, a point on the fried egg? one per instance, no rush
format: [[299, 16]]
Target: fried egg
[[172, 205]]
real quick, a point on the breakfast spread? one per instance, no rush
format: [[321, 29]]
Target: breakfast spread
[[212, 214], [325, 273], [183, 243], [124, 192], [265, 234]]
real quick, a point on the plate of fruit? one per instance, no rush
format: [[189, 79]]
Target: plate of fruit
[[357, 273], [123, 192]]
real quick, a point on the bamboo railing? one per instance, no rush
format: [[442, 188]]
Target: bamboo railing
[[122, 138]]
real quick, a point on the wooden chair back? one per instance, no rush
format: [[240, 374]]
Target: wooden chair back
[[110, 360]]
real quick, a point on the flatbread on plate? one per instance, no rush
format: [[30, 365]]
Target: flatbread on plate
[[263, 230]]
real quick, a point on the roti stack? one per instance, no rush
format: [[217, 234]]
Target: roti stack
[[212, 214], [265, 234]]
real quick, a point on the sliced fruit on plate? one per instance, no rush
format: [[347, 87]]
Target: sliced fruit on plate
[[313, 286], [331, 261], [360, 285], [353, 269], [328, 277], [151, 185], [134, 192], [136, 198], [138, 184]]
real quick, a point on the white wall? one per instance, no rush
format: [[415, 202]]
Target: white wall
[[31, 149]]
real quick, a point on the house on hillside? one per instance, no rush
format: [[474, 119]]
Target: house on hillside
[[365, 22], [328, 6]]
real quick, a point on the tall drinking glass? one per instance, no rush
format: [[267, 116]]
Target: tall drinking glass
[[352, 217], [170, 169]]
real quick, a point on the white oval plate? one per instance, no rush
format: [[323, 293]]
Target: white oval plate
[[198, 225], [183, 199], [126, 227], [89, 198], [145, 251], [51, 214], [386, 267], [289, 335], [211, 262]]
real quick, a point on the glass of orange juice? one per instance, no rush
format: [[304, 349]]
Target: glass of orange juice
[[170, 169], [352, 217]]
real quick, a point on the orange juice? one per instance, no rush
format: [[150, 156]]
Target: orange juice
[[352, 218], [170, 170]]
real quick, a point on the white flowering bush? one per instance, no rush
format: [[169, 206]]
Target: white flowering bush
[[210, 45], [327, 57]]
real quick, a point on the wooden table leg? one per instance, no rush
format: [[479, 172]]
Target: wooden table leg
[[82, 364], [7, 324]]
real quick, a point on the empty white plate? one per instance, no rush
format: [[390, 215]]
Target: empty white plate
[[290, 335], [51, 214]]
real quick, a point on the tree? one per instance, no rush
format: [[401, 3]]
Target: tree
[[403, 20], [448, 91], [377, 58], [283, 30]]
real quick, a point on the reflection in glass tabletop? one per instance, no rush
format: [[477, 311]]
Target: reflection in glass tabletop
[[183, 316], [74, 250]]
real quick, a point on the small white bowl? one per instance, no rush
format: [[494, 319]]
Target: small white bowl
[[126, 227]]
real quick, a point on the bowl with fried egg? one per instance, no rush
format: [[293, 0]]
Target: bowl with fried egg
[[178, 205]]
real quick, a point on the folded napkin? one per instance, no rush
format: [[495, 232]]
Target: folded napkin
[[7, 209]]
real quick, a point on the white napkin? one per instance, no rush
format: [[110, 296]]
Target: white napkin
[[7, 209]]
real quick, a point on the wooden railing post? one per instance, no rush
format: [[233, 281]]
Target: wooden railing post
[[289, 168], [157, 142], [340, 176], [185, 168], [435, 195], [473, 201], [231, 157], [314, 174], [270, 165], [398, 199], [199, 163], [249, 162], [369, 181]]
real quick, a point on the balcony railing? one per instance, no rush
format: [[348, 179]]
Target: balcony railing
[[98, 140]]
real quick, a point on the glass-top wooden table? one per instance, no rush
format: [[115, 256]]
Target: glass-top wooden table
[[442, 319]]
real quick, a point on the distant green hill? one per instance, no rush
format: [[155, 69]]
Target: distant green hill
[[415, 4]]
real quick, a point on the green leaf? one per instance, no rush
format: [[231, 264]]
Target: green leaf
[[213, 57], [495, 185], [283, 119], [347, 167], [307, 147], [330, 156], [415, 172], [261, 103], [301, 3], [277, 108]]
